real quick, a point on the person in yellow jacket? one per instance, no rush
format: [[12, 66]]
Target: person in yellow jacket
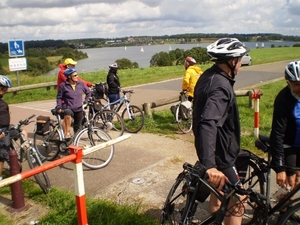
[[191, 75]]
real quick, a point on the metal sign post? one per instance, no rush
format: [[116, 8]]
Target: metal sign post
[[16, 49]]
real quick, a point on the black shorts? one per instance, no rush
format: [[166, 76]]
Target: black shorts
[[292, 158], [232, 175]]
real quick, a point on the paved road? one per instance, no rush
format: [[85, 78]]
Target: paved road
[[144, 166]]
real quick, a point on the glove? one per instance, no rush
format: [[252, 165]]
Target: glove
[[85, 105]]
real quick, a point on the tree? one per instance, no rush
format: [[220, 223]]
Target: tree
[[161, 59], [126, 64]]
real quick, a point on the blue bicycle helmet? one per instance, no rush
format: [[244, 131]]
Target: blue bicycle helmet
[[69, 71], [5, 81]]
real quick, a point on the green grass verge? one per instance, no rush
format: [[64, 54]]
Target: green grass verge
[[62, 208]]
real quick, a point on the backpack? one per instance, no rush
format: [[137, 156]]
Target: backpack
[[42, 125], [100, 90]]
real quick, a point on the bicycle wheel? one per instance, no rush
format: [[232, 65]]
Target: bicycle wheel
[[110, 121], [92, 136], [255, 179], [41, 178], [134, 119], [176, 204], [16, 145], [47, 145], [291, 216], [185, 125]]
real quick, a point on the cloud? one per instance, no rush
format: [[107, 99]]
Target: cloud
[[55, 19]]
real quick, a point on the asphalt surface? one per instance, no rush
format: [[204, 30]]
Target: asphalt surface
[[144, 166]]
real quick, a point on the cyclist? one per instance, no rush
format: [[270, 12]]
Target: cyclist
[[216, 123], [68, 63], [5, 83], [190, 77], [114, 85], [286, 128], [69, 100]]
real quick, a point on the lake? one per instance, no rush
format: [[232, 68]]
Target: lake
[[101, 58]]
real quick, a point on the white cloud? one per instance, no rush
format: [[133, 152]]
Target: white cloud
[[56, 19]]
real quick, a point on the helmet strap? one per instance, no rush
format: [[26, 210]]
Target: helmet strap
[[232, 68]]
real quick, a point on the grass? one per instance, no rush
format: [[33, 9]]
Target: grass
[[62, 204]]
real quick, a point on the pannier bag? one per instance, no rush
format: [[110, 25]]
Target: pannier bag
[[97, 105], [42, 125], [185, 110], [100, 90]]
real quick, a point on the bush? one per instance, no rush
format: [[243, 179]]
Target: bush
[[126, 64]]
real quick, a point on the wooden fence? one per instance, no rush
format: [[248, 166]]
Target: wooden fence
[[146, 106]]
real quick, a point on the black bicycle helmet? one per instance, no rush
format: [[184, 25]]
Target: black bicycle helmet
[[292, 71], [5, 81], [225, 49]]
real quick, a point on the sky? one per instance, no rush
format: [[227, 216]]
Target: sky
[[75, 19]]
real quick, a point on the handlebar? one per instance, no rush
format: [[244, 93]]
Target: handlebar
[[24, 122], [127, 91], [199, 171]]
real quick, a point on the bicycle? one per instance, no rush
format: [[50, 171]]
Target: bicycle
[[183, 113], [132, 115], [106, 119], [25, 151], [54, 142], [181, 206]]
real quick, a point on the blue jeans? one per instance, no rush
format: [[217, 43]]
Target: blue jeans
[[113, 97]]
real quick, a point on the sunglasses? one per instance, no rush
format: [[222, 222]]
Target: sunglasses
[[75, 75]]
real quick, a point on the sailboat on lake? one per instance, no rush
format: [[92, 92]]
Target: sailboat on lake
[[170, 48], [125, 48], [142, 49]]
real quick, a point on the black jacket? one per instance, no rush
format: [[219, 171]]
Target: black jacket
[[113, 82], [216, 123], [283, 127], [4, 114]]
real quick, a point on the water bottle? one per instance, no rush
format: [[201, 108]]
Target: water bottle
[[281, 192]]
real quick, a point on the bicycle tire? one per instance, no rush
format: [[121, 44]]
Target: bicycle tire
[[254, 180], [178, 200], [42, 178], [92, 136], [289, 217], [135, 122], [184, 125], [16, 145], [110, 121], [47, 145]]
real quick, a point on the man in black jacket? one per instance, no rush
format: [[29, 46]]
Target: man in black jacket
[[216, 119], [285, 133]]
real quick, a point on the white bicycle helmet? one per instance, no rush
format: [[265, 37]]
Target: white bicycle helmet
[[5, 81], [190, 60], [292, 71], [225, 49], [113, 66]]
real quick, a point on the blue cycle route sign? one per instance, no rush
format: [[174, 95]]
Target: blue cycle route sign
[[16, 48]]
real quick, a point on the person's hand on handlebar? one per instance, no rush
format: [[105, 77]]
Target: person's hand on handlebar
[[217, 178], [59, 111]]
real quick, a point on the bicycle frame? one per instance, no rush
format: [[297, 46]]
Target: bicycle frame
[[119, 103]]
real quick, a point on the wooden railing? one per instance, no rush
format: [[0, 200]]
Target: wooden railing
[[47, 85], [146, 106]]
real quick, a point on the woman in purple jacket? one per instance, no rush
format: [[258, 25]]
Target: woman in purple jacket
[[69, 100]]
